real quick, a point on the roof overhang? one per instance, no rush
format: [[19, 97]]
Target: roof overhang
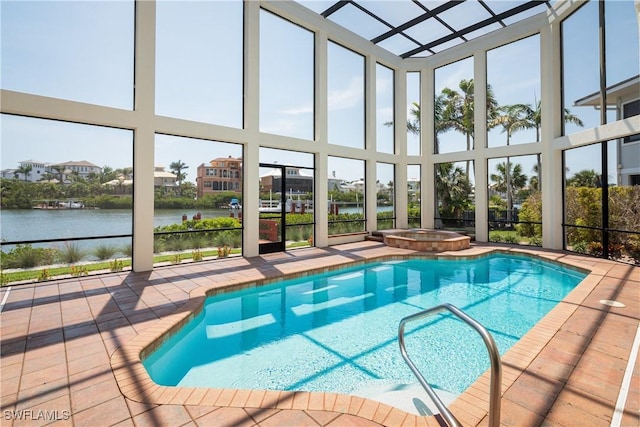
[[626, 89]]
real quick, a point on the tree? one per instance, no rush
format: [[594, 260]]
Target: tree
[[25, 170], [413, 122], [455, 110], [508, 180], [534, 181], [452, 189], [107, 174], [47, 176], [177, 168], [585, 178], [60, 172], [512, 118], [127, 172], [534, 117]]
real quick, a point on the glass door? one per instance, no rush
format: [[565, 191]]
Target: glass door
[[272, 209]]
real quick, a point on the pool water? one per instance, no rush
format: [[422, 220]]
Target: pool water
[[338, 331]]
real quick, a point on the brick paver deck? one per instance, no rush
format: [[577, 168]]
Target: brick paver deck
[[70, 352]]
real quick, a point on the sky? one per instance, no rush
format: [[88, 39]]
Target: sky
[[42, 53]]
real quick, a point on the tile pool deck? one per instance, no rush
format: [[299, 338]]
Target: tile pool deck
[[70, 352]]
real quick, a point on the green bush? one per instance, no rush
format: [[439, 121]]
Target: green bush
[[531, 212], [104, 252], [177, 241], [71, 252], [26, 256]]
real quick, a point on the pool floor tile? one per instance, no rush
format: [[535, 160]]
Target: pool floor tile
[[74, 344]]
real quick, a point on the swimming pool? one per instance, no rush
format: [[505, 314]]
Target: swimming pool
[[338, 331]]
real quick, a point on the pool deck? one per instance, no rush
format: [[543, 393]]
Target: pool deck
[[70, 352]]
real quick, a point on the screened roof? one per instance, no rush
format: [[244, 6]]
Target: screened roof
[[418, 28]]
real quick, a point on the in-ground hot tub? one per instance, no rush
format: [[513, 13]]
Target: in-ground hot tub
[[426, 240]]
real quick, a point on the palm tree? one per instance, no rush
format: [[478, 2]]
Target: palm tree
[[126, 172], [508, 180], [512, 118], [25, 170], [457, 111], [177, 168], [585, 178], [413, 122], [107, 174], [534, 181], [59, 173], [452, 188], [534, 116]]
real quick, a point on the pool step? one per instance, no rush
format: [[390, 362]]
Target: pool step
[[375, 236], [411, 398]]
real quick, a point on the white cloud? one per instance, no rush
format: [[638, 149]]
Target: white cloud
[[351, 96]]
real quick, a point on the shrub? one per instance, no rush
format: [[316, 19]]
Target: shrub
[[535, 241], [495, 236], [127, 250], [511, 238], [158, 245], [531, 212], [77, 271], [26, 256], [103, 252], [176, 244], [116, 265], [71, 252], [23, 256], [44, 275], [294, 234], [197, 241]]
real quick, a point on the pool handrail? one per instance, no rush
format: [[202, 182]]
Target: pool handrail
[[495, 391]]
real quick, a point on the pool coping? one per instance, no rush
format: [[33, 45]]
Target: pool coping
[[470, 407]]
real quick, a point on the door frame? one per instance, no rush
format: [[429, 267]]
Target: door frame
[[280, 246]]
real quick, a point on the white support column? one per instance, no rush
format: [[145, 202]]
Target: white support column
[[551, 159], [321, 215], [371, 206], [144, 136], [401, 200], [427, 149], [480, 145], [251, 155]]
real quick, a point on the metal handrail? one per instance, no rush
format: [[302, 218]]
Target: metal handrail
[[494, 355]]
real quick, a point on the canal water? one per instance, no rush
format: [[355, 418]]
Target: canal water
[[38, 224]]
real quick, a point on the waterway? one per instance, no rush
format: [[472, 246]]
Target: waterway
[[38, 224]]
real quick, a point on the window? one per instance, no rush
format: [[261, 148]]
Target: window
[[454, 108], [413, 114], [346, 97], [346, 195], [385, 196], [413, 196], [80, 51], [286, 66], [192, 83], [384, 109], [90, 214], [454, 190], [190, 192], [515, 200], [513, 93]]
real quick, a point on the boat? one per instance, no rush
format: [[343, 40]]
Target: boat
[[57, 204], [291, 206], [235, 204], [270, 206], [70, 205]]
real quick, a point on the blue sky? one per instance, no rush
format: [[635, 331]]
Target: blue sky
[[83, 51]]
